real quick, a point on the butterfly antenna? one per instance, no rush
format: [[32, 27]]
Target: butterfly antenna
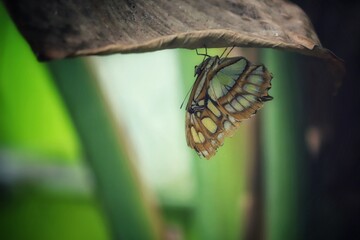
[[223, 52], [186, 96], [229, 52]]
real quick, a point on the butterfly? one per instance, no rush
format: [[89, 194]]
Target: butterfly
[[226, 91]]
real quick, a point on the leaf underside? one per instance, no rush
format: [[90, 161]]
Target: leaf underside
[[63, 28]]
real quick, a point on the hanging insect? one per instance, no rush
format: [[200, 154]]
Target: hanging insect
[[226, 91]]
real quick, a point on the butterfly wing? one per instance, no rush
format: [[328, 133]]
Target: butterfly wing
[[248, 93], [234, 90]]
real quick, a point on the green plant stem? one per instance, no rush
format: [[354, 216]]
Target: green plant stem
[[129, 214], [284, 149]]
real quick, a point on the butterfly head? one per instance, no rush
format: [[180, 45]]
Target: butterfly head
[[198, 69], [202, 66]]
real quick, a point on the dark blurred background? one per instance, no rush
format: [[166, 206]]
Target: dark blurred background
[[333, 195]]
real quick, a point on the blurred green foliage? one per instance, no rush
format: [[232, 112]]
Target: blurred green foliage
[[34, 121], [33, 118], [41, 215], [283, 141], [117, 185]]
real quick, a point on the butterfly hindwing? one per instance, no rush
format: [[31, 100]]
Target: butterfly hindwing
[[248, 94], [203, 128]]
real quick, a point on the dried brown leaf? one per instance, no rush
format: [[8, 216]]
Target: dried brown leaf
[[67, 28]]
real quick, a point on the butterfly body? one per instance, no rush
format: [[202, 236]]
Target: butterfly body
[[226, 91]]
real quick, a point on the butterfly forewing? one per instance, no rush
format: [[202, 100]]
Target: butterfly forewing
[[226, 77], [225, 92]]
